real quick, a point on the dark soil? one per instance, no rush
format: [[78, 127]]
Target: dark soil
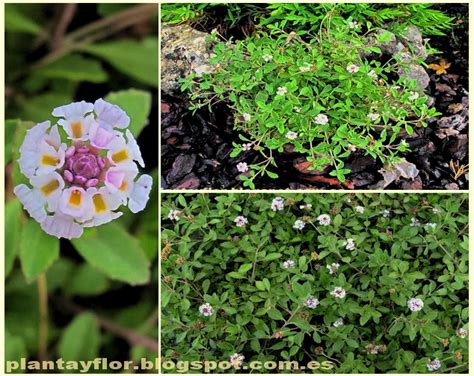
[[196, 147]]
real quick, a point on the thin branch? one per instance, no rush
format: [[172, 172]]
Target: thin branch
[[131, 336], [43, 318], [65, 19]]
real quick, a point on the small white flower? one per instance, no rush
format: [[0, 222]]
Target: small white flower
[[461, 333], [240, 221], [242, 167], [385, 213], [306, 67], [311, 302], [306, 206], [246, 116], [321, 119], [430, 226], [282, 90], [324, 220], [372, 74], [267, 58], [351, 147], [291, 135], [174, 214], [352, 68], [333, 267], [415, 304], [353, 24], [338, 292], [338, 322], [414, 222], [436, 210], [288, 264], [413, 96], [373, 116], [278, 203], [349, 244], [359, 209], [237, 360], [434, 365], [247, 147], [206, 309], [297, 109], [299, 225]]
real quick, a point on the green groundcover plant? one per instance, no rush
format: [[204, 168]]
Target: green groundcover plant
[[371, 283], [313, 77]]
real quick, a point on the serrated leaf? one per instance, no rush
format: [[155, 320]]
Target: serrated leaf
[[74, 68], [115, 252], [137, 105], [80, 340], [138, 60], [38, 250]]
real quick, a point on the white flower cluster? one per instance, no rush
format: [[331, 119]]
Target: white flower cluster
[[434, 365], [415, 304], [278, 204], [299, 225], [206, 309], [333, 267], [240, 221], [349, 244], [236, 360], [288, 264], [311, 302], [338, 292], [174, 214], [338, 322], [81, 181], [324, 220]]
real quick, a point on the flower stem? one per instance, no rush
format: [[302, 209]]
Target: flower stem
[[43, 317]]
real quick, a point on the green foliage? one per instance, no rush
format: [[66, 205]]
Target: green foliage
[[80, 340], [278, 84], [259, 306], [113, 251], [38, 250]]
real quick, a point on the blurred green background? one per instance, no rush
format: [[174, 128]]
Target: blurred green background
[[56, 54]]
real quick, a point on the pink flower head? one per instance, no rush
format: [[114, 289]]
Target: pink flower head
[[82, 181]]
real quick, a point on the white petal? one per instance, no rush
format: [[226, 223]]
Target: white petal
[[140, 193], [34, 136], [77, 129], [73, 111], [49, 153], [54, 139], [50, 187], [100, 137], [134, 149], [102, 219], [110, 115], [61, 226], [32, 201], [76, 202]]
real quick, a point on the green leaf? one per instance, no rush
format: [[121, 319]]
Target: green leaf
[[86, 281], [11, 127], [272, 256], [38, 250], [12, 233], [138, 60], [15, 349], [74, 68], [236, 275], [16, 21], [80, 340], [112, 250], [275, 314], [245, 268], [137, 105]]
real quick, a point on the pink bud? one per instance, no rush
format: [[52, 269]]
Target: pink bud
[[101, 162], [80, 179], [70, 151], [83, 149], [68, 176], [92, 183]]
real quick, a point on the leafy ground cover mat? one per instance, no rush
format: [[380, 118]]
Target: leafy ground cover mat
[[229, 138], [373, 283]]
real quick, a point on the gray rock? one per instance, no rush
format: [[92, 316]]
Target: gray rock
[[415, 72], [412, 38], [183, 50], [391, 47]]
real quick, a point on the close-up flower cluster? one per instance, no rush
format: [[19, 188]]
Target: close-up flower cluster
[[343, 278], [81, 169]]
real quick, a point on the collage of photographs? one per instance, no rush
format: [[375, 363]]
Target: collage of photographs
[[236, 187]]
